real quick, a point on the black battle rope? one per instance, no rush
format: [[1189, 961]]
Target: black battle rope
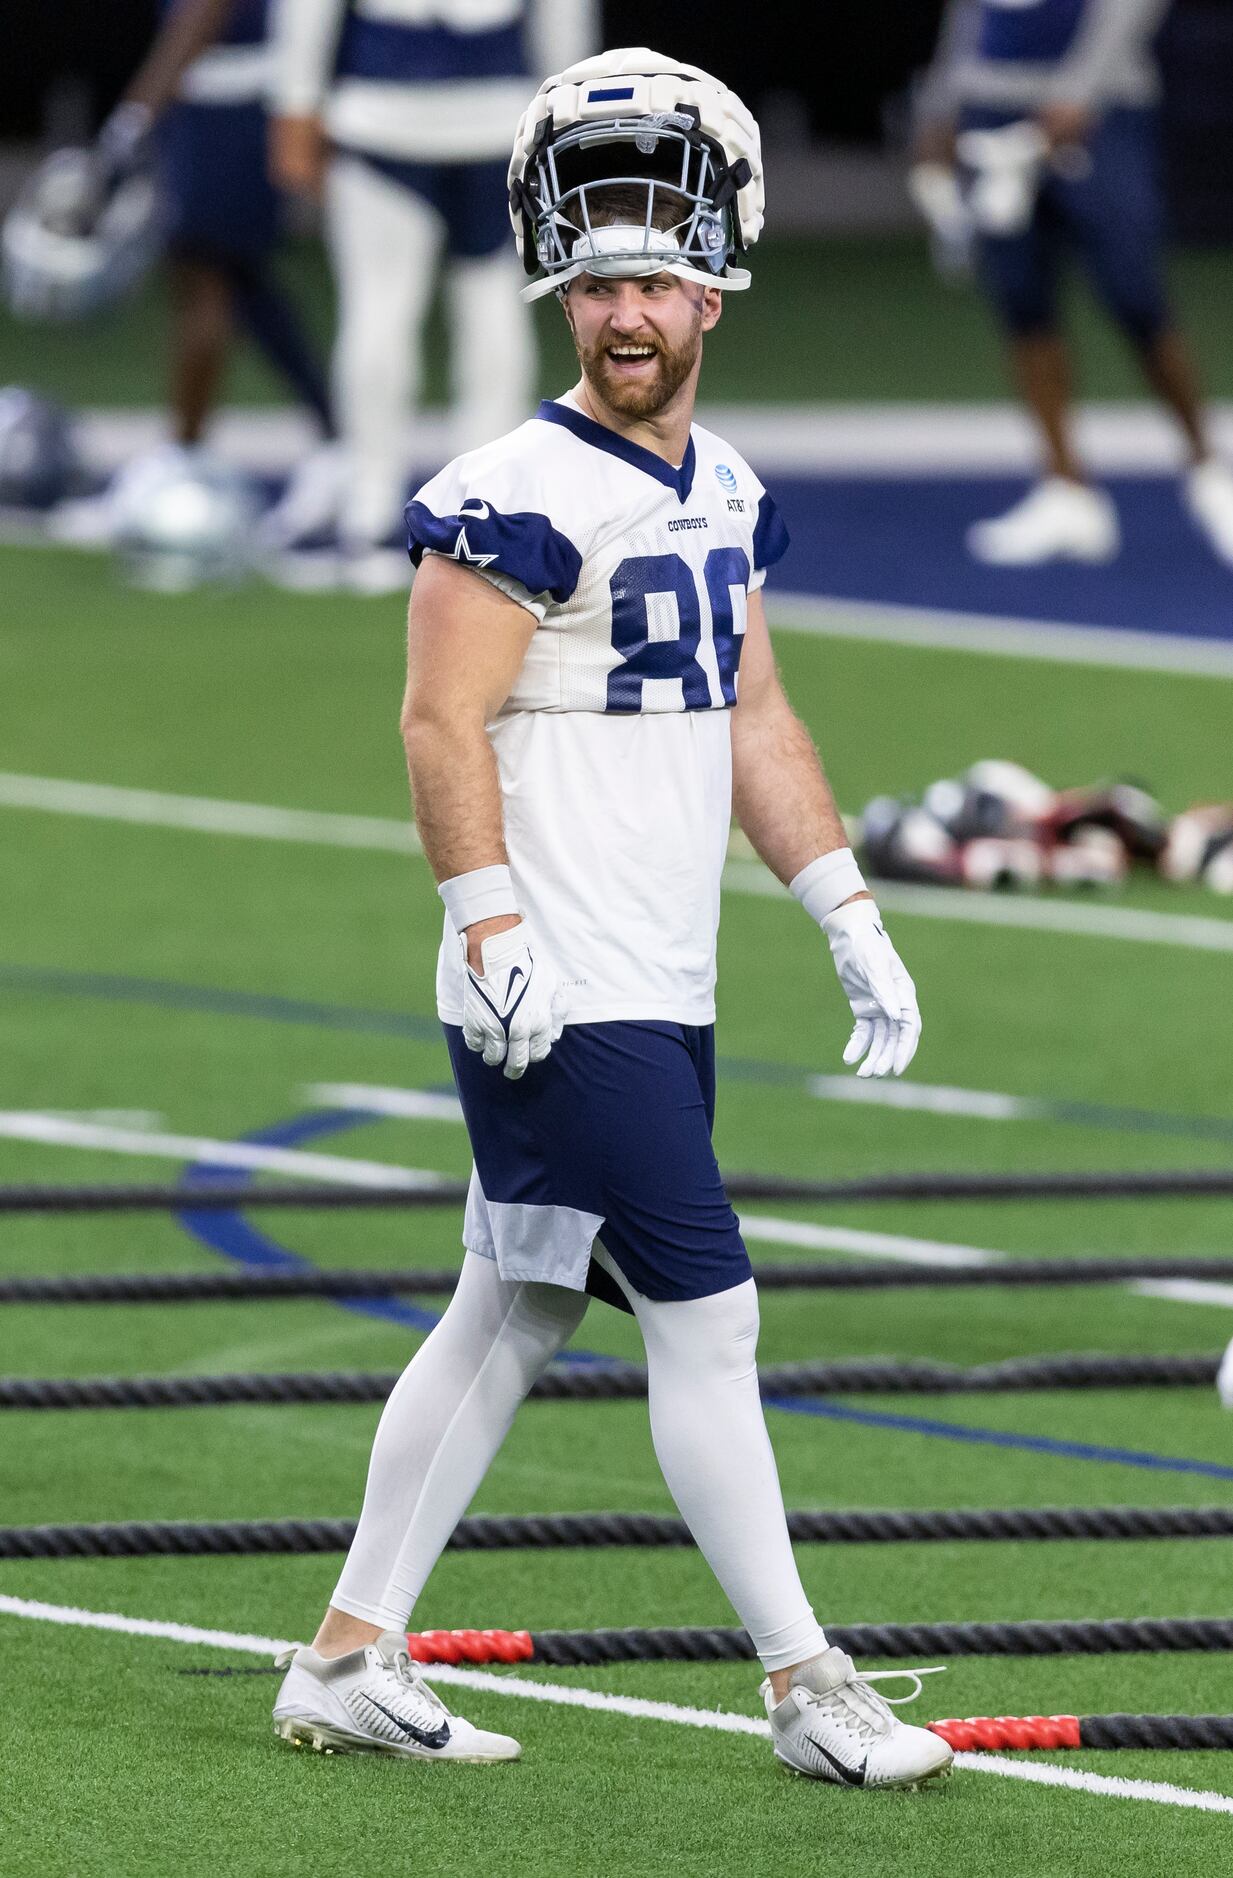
[[552, 1531], [196, 1287], [567, 1649], [995, 1733], [1115, 1184], [611, 1382]]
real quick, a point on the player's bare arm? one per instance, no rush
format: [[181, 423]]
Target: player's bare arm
[[780, 794], [782, 800], [465, 644]]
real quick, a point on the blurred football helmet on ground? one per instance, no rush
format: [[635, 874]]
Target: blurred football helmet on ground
[[182, 517], [39, 465]]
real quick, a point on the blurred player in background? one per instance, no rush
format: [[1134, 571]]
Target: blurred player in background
[[1049, 109], [404, 112], [588, 590], [197, 105]]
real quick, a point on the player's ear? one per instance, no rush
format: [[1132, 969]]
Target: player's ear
[[712, 307]]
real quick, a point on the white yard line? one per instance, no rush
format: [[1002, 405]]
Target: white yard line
[[769, 1230], [56, 1131], [986, 1105], [637, 1708], [1083, 918], [414, 1105], [831, 616], [1185, 1291], [201, 814], [837, 439], [152, 808], [932, 1098]]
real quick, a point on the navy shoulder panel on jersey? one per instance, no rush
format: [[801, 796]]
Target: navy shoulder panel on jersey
[[770, 536], [525, 546]]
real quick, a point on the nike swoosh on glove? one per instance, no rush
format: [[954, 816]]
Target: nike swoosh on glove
[[510, 1011], [882, 996]]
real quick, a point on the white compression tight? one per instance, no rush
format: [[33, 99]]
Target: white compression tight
[[386, 244], [454, 1404]]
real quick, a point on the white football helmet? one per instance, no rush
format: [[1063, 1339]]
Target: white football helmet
[[79, 236], [181, 517], [635, 117]]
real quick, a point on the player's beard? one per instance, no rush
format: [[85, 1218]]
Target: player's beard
[[641, 399]]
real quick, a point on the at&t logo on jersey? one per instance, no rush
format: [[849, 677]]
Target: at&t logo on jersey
[[725, 476]]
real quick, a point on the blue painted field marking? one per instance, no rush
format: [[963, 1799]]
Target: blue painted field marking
[[237, 1239], [217, 1001], [1002, 1438], [232, 1235]]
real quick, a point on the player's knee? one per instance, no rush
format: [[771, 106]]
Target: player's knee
[[553, 1311], [713, 1339]]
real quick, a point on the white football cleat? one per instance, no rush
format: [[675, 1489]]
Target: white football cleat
[[1209, 498], [374, 1701], [832, 1726], [1058, 520]]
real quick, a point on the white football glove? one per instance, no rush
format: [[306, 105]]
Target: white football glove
[[510, 1010], [882, 996]]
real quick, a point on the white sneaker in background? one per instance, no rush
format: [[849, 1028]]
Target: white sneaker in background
[[1209, 498], [1058, 520], [95, 521], [832, 1726], [376, 567], [309, 506], [374, 1701]]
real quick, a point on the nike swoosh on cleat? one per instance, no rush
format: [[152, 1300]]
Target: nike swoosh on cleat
[[427, 1737], [855, 1776]]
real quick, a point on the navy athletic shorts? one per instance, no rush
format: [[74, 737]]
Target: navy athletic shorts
[[610, 1138], [223, 206], [1111, 218], [471, 199]]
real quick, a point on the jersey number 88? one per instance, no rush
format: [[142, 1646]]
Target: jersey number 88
[[633, 585]]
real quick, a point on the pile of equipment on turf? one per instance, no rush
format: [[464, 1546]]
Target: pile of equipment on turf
[[997, 825]]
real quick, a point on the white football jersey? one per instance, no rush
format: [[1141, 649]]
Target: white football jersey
[[613, 747]]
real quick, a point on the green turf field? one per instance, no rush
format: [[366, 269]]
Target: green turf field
[[854, 319], [142, 969]]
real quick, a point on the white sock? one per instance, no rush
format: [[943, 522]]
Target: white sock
[[715, 1455], [449, 1413]]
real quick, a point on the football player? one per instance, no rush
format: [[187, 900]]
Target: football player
[[591, 693], [1050, 108], [404, 114], [197, 108]]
